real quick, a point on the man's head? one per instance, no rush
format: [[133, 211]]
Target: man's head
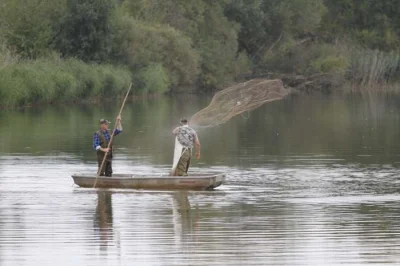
[[184, 121], [104, 124]]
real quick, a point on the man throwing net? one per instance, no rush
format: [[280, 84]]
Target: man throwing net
[[186, 139]]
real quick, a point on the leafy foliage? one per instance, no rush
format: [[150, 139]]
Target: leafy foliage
[[171, 44], [212, 35], [140, 45], [331, 64], [26, 26], [85, 31], [376, 24], [153, 79], [48, 80]]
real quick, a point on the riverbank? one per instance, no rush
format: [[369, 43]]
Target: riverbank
[[45, 81], [325, 83], [71, 81]]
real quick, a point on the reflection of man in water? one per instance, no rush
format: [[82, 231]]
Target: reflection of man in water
[[188, 138], [182, 218], [104, 218]]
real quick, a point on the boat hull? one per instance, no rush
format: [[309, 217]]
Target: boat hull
[[152, 182]]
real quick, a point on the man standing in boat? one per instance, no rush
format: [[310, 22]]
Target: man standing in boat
[[100, 143], [187, 137]]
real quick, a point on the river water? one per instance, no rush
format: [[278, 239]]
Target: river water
[[312, 180]]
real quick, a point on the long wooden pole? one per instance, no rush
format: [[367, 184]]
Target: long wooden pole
[[112, 136]]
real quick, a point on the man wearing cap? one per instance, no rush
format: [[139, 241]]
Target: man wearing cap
[[100, 143], [188, 138]]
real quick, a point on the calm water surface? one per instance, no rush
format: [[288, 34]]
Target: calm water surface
[[312, 180]]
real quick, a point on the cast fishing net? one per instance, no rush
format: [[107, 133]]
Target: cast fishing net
[[239, 99]]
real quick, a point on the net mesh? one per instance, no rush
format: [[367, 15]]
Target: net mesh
[[239, 99]]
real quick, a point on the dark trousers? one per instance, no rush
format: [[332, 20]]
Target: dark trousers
[[107, 166], [184, 163]]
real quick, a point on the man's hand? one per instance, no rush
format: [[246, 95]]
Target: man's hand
[[105, 150], [198, 155], [118, 125]]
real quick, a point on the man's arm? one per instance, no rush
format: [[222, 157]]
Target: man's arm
[[175, 131], [198, 146], [96, 142], [118, 129]]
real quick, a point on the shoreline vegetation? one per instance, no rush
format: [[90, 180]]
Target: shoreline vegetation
[[47, 81], [86, 50]]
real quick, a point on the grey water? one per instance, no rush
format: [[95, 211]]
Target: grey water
[[311, 180]]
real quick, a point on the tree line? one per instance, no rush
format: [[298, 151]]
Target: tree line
[[175, 45]]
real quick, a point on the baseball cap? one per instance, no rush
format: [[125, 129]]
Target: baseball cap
[[104, 121]]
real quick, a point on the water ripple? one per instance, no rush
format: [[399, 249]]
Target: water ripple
[[311, 211]]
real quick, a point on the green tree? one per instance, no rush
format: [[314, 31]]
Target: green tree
[[26, 26], [140, 45], [212, 35], [274, 24], [252, 20], [376, 24], [217, 40], [85, 31], [297, 18]]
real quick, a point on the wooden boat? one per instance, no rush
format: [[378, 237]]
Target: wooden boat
[[156, 182]]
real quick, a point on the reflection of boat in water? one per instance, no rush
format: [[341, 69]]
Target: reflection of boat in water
[[108, 230], [104, 218], [160, 182]]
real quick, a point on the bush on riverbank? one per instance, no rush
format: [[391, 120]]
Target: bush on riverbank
[[159, 49], [152, 79], [45, 80], [346, 60]]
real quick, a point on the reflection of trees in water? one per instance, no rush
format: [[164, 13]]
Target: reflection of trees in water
[[103, 221], [299, 124], [147, 124]]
